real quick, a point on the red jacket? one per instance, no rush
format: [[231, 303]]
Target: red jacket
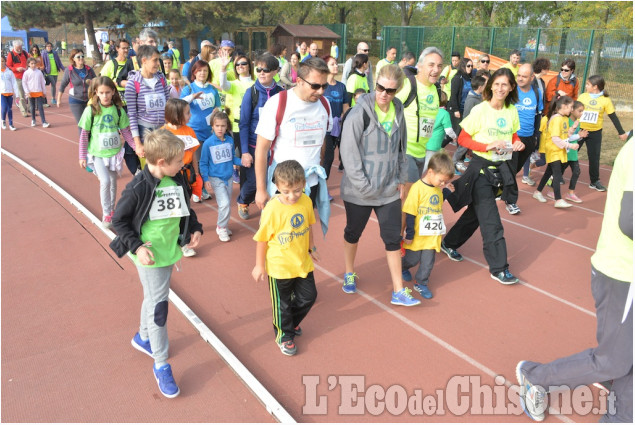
[[15, 61]]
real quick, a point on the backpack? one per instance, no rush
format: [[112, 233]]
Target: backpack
[[137, 84], [16, 58], [282, 104], [410, 74]]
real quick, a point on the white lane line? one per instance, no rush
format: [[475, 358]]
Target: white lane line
[[270, 403], [392, 311]]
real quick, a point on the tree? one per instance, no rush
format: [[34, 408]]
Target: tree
[[407, 9]]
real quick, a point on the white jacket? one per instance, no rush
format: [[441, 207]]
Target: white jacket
[[8, 83]]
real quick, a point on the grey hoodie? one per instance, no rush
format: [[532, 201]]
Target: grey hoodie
[[374, 162]]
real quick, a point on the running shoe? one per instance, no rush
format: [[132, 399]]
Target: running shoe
[[533, 399], [505, 277], [46, 125], [243, 211], [561, 203], [288, 348], [598, 186], [573, 198], [222, 233], [460, 166], [513, 209], [141, 345], [206, 195], [350, 283], [423, 290], [165, 380], [106, 222], [405, 298], [187, 251], [196, 199], [12, 128], [4, 126], [453, 254], [297, 330], [33, 123], [538, 196], [406, 275], [528, 181]]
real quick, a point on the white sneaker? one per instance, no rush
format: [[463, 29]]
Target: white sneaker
[[46, 125], [4, 126], [206, 195], [195, 198], [561, 203], [528, 181], [222, 233], [537, 195], [188, 252], [12, 128], [33, 123]]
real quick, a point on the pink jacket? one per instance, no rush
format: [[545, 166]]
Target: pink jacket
[[33, 81]]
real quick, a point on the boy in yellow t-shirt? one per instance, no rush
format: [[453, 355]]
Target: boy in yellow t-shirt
[[424, 221], [285, 244]]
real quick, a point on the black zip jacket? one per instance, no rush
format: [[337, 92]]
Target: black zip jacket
[[133, 210]]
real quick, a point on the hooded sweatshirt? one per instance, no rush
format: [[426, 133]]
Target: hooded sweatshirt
[[374, 161]]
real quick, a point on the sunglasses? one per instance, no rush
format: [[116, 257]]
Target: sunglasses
[[469, 66], [315, 86], [365, 50], [484, 61], [381, 88], [79, 57], [243, 64], [564, 70], [265, 70]]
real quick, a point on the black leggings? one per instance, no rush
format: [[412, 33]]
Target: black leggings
[[388, 216], [575, 173], [593, 148], [553, 168]]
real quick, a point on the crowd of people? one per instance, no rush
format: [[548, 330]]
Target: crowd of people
[[191, 129]]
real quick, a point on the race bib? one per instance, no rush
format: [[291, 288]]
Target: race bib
[[109, 141], [426, 125], [169, 202], [431, 225], [590, 117], [309, 138], [206, 101], [221, 153], [189, 141], [155, 102], [504, 154], [71, 91]]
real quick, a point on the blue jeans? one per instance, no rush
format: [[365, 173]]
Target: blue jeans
[[39, 103], [223, 190], [7, 103], [248, 189]]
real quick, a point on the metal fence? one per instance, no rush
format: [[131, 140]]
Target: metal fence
[[605, 52]]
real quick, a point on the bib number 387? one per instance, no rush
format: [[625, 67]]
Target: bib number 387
[[169, 202]]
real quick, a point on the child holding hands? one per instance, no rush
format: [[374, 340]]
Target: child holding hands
[[285, 252], [424, 221]]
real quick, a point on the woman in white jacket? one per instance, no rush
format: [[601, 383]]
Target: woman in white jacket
[[8, 89]]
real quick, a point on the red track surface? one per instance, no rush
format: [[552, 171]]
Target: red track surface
[[69, 309]]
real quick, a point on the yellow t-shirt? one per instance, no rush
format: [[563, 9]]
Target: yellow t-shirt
[[486, 124], [386, 119], [425, 203], [513, 69], [614, 253], [594, 109], [355, 82], [285, 228], [559, 127], [428, 109], [234, 99]]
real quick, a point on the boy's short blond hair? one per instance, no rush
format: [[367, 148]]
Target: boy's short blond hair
[[289, 172], [441, 163], [162, 144]]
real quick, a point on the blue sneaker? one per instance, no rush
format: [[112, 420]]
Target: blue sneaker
[[350, 283], [423, 290], [141, 345], [406, 275], [453, 254], [505, 277], [404, 298], [533, 398], [164, 378]]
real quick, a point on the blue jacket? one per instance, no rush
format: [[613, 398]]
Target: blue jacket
[[249, 118], [222, 170], [198, 121]]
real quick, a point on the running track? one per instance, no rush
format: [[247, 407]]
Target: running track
[[70, 307]]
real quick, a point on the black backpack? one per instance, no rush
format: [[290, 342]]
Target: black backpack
[[411, 73]]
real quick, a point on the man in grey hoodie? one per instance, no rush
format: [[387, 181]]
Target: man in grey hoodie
[[373, 151]]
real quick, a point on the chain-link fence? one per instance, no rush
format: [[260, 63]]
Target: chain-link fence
[[605, 52]]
